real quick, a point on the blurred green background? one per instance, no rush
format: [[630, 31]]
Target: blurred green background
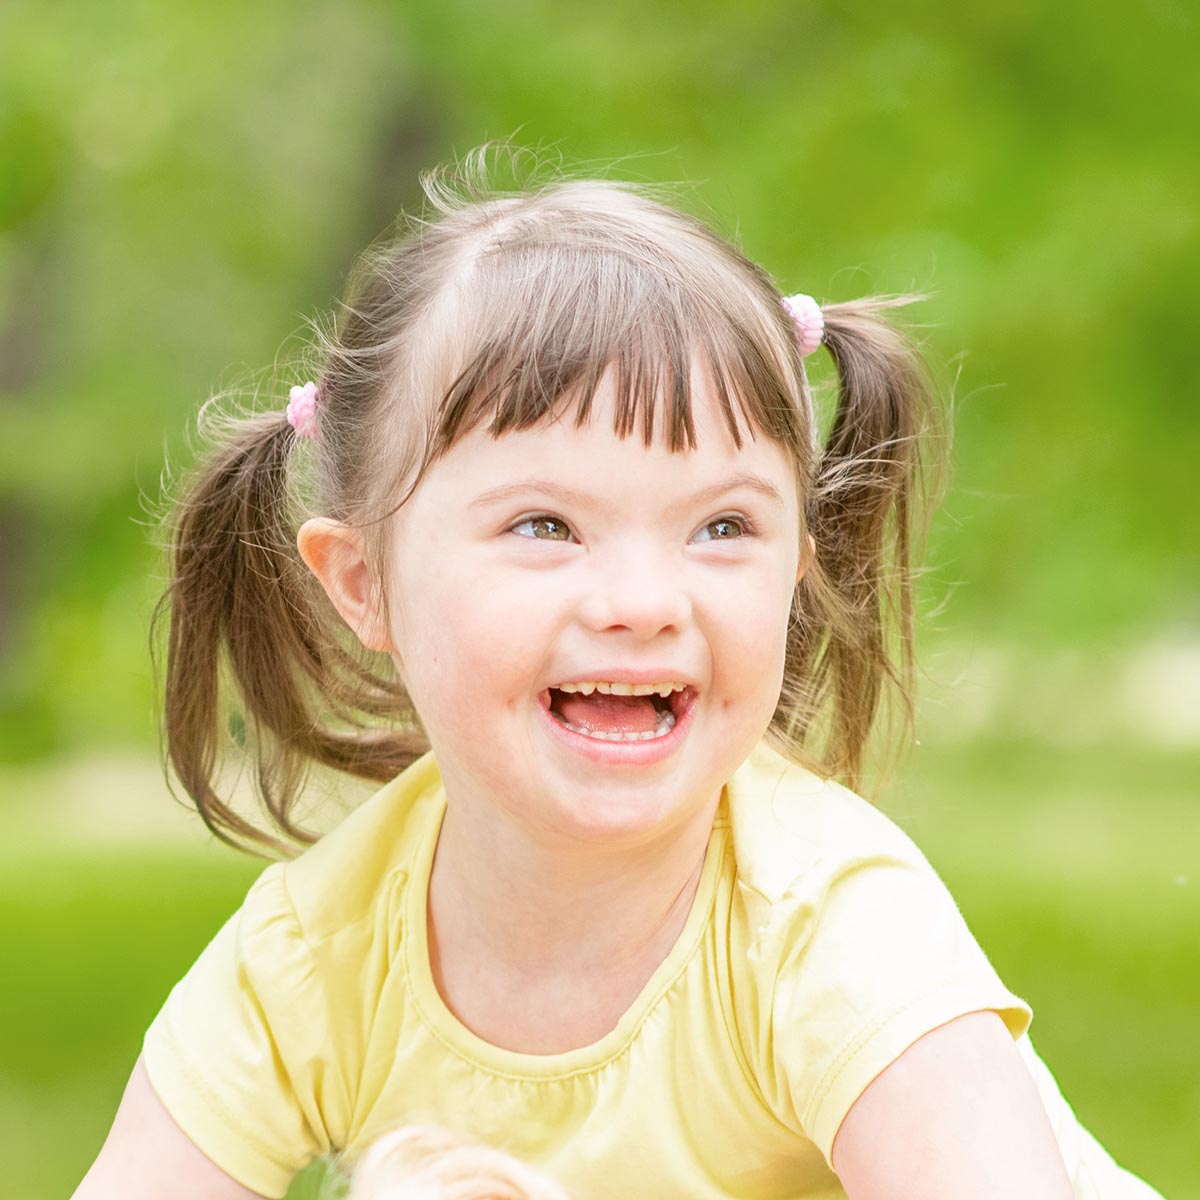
[[180, 185]]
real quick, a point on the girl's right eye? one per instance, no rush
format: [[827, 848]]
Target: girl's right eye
[[546, 528]]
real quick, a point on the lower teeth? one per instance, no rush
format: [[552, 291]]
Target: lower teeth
[[666, 722]]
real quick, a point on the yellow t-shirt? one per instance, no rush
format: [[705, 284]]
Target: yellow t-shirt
[[820, 945]]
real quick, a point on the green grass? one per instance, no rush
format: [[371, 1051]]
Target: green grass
[[92, 946], [1079, 875]]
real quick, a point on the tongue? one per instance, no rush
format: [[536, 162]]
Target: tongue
[[608, 714]]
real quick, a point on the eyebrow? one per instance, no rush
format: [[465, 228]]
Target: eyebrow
[[567, 495]]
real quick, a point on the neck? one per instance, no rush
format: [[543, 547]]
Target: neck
[[541, 948], [538, 907]]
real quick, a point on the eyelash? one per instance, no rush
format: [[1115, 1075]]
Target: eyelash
[[743, 524], [746, 529], [540, 518]]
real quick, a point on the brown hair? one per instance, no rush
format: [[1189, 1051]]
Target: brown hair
[[499, 309]]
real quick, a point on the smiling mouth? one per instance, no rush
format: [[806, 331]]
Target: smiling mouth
[[616, 712]]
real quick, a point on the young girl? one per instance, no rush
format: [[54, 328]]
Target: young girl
[[613, 909]]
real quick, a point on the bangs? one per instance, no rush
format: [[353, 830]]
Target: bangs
[[544, 313]]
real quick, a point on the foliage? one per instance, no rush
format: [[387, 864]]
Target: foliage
[[180, 184]]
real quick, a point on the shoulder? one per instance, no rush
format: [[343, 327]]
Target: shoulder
[[823, 877], [850, 947], [258, 1051], [789, 825], [340, 880], [304, 921]]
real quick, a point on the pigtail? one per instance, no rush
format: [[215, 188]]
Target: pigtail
[[867, 512], [243, 610]]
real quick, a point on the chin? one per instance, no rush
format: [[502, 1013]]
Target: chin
[[634, 812]]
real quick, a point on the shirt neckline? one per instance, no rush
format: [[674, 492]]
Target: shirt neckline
[[497, 1060]]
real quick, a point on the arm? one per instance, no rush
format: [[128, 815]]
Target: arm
[[147, 1156], [957, 1114]]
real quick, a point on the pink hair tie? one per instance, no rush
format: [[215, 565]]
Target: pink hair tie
[[302, 410], [808, 320]]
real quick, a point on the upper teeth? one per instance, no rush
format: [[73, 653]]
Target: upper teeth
[[589, 686]]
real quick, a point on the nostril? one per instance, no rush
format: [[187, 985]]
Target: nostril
[[637, 599]]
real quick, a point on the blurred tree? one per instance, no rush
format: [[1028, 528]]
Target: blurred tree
[[179, 186]]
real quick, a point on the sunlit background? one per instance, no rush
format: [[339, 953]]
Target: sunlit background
[[181, 184]]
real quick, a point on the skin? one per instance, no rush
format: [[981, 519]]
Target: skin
[[559, 871], [956, 1115], [146, 1156]]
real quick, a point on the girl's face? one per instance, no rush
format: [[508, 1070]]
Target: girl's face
[[528, 566]]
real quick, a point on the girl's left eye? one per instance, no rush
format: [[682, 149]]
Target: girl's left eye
[[722, 529], [545, 528]]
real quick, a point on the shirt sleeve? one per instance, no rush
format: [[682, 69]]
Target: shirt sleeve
[[860, 958], [238, 1052]]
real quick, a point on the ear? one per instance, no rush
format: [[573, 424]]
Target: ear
[[333, 552], [806, 559]]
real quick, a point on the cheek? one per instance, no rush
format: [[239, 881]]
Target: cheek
[[467, 646], [752, 632]]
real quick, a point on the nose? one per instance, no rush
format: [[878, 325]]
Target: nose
[[641, 590]]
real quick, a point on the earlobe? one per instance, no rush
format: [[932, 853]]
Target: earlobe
[[334, 553], [806, 559]]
